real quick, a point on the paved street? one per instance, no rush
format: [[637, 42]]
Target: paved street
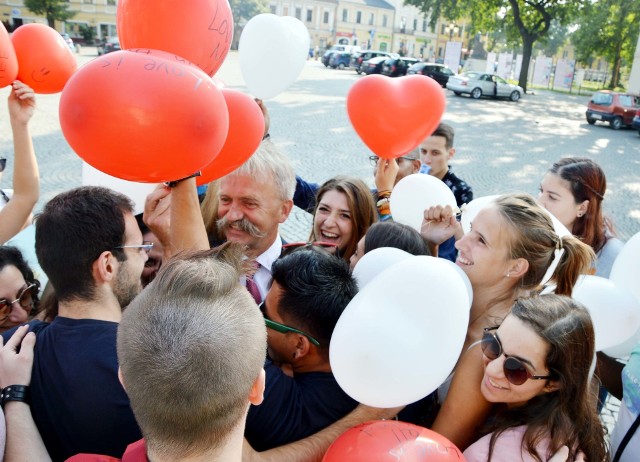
[[501, 146]]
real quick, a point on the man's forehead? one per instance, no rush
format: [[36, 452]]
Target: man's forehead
[[247, 186], [434, 142]]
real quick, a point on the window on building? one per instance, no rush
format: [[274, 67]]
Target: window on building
[[415, 24], [345, 15], [433, 29], [371, 19], [325, 17], [384, 20], [87, 1], [309, 15], [442, 29], [424, 25], [359, 17], [272, 9], [285, 11], [460, 31], [111, 2], [299, 13]]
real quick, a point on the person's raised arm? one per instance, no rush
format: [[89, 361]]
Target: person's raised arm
[[23, 439], [312, 448], [438, 225], [26, 180]]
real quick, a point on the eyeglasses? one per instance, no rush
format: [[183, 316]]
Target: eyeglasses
[[25, 300], [374, 159], [282, 328], [514, 369], [146, 246], [330, 247], [3, 163]]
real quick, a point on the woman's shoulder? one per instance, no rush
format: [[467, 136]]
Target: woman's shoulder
[[507, 448], [607, 255]]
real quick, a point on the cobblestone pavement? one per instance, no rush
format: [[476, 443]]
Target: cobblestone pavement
[[501, 146]]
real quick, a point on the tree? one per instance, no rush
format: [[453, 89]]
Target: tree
[[609, 28], [51, 9], [243, 10], [528, 19]]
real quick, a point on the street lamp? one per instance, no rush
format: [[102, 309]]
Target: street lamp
[[451, 28]]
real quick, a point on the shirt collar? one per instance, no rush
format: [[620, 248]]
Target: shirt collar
[[270, 255]]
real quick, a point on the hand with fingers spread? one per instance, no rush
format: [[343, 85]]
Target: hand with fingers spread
[[15, 367], [386, 172], [22, 103], [440, 224]]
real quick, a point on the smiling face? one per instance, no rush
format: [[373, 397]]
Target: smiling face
[[557, 198], [11, 285], [332, 221], [484, 251], [520, 341]]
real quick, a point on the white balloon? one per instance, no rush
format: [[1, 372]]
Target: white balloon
[[272, 51], [376, 261], [624, 271], [470, 210], [614, 310], [402, 334], [137, 192], [415, 193], [624, 349]]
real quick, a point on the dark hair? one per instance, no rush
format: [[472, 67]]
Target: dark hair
[[11, 256], [74, 228], [316, 288], [141, 224], [587, 182], [447, 132], [394, 234], [361, 205], [567, 416]]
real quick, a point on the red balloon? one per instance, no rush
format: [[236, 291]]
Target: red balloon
[[141, 117], [198, 30], [394, 115], [246, 128], [392, 441], [8, 60], [45, 62]]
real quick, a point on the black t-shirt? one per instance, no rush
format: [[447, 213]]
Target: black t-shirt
[[295, 407], [77, 401]]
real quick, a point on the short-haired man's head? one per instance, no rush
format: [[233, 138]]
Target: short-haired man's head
[[397, 235], [316, 287], [190, 348], [269, 164], [446, 131], [74, 228]]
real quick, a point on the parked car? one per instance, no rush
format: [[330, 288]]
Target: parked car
[[327, 56], [397, 67], [112, 44], [373, 66], [340, 60], [477, 84], [636, 122], [68, 40], [616, 108], [438, 72], [358, 58]]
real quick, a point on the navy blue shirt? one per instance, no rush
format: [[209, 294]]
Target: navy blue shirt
[[295, 407], [77, 401]]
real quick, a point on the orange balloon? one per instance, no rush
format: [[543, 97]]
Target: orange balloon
[[45, 62], [392, 441], [142, 117], [198, 30], [8, 60], [246, 128], [393, 116]]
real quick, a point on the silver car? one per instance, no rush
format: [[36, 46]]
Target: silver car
[[477, 84]]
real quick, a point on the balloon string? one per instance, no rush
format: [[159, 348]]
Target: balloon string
[[171, 184]]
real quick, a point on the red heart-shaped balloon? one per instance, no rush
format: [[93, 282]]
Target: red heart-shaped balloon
[[394, 115]]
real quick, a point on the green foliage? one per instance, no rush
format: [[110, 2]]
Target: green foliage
[[247, 9], [88, 33], [51, 9], [556, 37]]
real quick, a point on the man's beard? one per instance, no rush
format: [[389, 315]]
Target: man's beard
[[243, 225], [126, 288]]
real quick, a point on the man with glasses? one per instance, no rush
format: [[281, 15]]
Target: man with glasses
[[89, 245], [310, 290]]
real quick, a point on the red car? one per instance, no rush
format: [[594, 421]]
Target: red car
[[616, 108]]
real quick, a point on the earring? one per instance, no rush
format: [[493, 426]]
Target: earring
[[507, 274], [580, 214]]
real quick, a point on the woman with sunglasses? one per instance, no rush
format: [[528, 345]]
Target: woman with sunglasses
[[26, 184], [506, 254], [343, 213], [573, 190], [536, 373], [18, 289]]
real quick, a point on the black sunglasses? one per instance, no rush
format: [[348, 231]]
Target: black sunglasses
[[24, 299], [282, 328], [514, 369]]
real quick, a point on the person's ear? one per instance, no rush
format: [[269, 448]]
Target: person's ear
[[551, 386], [452, 152], [582, 208], [285, 210], [518, 268], [256, 394], [302, 347], [416, 165], [104, 267]]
